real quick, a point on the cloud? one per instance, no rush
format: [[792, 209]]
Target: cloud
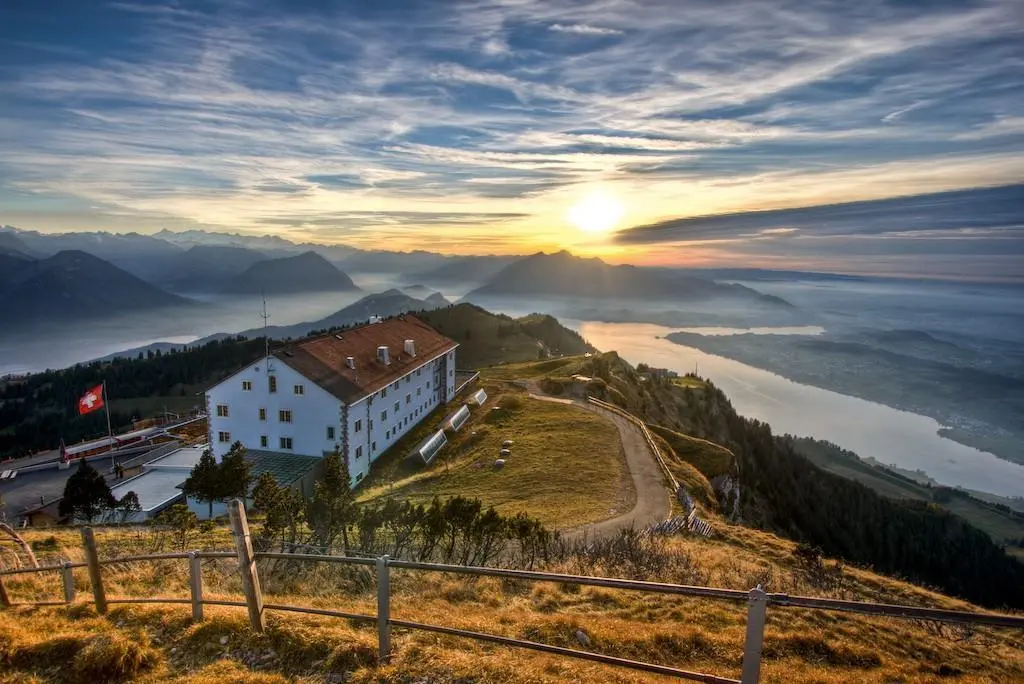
[[584, 30], [248, 118], [998, 127]]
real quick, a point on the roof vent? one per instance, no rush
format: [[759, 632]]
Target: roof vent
[[350, 361], [410, 347], [384, 355], [339, 338]]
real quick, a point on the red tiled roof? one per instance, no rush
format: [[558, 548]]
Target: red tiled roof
[[322, 359]]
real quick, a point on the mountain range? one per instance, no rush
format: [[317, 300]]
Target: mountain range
[[565, 275], [72, 286], [306, 272]]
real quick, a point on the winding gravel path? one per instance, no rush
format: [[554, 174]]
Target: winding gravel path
[[653, 504]]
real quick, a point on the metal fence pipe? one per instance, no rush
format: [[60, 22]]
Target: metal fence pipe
[[889, 610], [572, 653], [607, 582]]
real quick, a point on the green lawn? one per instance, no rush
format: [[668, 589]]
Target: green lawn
[[707, 457], [566, 466]]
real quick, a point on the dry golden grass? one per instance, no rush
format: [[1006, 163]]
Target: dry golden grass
[[801, 646], [579, 478]]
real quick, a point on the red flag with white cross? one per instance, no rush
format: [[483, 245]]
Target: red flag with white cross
[[91, 401]]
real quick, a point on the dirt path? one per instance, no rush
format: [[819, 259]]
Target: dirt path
[[652, 499]]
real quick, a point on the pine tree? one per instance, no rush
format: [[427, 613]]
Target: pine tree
[[235, 477], [204, 482], [86, 494], [332, 509]]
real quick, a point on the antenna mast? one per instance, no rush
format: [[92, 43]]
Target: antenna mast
[[266, 332]]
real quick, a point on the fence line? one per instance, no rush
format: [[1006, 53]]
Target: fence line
[[757, 600]]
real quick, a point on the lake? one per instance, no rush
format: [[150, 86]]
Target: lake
[[904, 439]]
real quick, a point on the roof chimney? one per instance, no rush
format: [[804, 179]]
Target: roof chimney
[[350, 361], [384, 355], [410, 347]]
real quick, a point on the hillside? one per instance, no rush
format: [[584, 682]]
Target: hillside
[[565, 275], [778, 490], [386, 304], [470, 269], [73, 286], [487, 339], [159, 643], [306, 272]]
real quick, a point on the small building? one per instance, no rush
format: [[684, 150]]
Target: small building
[[457, 419], [428, 449], [158, 485], [358, 392]]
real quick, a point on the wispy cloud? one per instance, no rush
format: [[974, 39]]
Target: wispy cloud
[[584, 30], [309, 122]]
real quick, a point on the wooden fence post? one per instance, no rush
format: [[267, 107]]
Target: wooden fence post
[[5, 600], [92, 559], [757, 606], [247, 564], [67, 575], [195, 582], [383, 610]]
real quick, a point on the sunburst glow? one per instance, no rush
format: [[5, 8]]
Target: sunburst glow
[[596, 213]]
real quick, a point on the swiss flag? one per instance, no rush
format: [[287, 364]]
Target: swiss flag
[[91, 401]]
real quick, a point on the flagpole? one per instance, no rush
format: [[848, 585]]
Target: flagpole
[[110, 433]]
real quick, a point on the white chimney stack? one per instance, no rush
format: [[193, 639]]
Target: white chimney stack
[[410, 347], [350, 361], [384, 355]]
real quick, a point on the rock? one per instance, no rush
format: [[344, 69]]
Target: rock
[[224, 640], [582, 638], [174, 650]]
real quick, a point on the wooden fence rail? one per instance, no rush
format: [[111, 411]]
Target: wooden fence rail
[[757, 600]]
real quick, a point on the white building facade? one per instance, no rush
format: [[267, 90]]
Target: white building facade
[[341, 392]]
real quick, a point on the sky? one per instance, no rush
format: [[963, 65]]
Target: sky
[[518, 125]]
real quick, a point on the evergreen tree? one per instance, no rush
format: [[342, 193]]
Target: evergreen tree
[[332, 509], [204, 482], [86, 494], [235, 476]]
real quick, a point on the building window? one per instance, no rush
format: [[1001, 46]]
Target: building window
[[223, 437], [247, 385], [373, 447], [359, 425], [428, 384], [419, 390], [284, 416], [397, 406], [384, 393], [383, 415], [263, 441], [418, 371], [222, 410], [286, 442], [359, 452], [263, 414], [408, 379], [330, 432], [300, 389], [359, 476], [408, 399], [272, 383]]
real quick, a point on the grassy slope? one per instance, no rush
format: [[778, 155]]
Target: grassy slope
[[160, 643], [707, 457], [576, 479]]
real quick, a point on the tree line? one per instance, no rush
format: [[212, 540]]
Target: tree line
[[38, 410]]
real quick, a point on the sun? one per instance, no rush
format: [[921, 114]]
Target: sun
[[598, 212]]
